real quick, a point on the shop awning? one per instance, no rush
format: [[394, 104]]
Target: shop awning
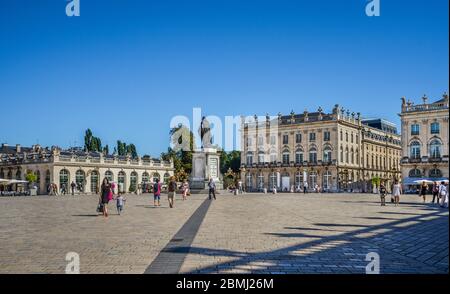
[[416, 181]]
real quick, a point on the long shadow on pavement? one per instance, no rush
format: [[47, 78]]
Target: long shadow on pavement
[[412, 245]]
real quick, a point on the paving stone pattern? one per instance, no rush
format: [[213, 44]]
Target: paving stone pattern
[[250, 233]]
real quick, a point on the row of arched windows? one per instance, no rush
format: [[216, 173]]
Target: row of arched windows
[[257, 181], [80, 178], [415, 151]]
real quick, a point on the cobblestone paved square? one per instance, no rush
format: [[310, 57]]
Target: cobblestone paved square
[[251, 233]]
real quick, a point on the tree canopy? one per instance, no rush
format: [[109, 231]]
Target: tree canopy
[[91, 143]]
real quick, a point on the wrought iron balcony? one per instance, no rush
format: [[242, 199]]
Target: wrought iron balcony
[[435, 159]]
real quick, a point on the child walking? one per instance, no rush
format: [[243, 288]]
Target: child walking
[[185, 189], [120, 203]]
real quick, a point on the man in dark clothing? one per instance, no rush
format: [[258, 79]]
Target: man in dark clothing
[[73, 185], [212, 188], [172, 188]]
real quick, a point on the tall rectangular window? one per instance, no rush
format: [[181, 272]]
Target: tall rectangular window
[[273, 140], [312, 137], [298, 138], [285, 139], [415, 129], [326, 136], [260, 140], [435, 128]]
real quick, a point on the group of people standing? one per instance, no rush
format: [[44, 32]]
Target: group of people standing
[[396, 192], [439, 191], [107, 194], [171, 191]]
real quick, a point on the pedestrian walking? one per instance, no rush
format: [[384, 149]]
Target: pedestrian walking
[[63, 189], [397, 191], [157, 193], [139, 188], [105, 196], [212, 188], [172, 187], [423, 191], [305, 187], [72, 186], [383, 194], [240, 187], [185, 189], [120, 202], [435, 191], [443, 194]]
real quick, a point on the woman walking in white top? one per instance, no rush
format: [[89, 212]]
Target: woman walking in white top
[[397, 191], [443, 194]]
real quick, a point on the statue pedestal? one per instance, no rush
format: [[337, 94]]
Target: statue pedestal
[[205, 165]]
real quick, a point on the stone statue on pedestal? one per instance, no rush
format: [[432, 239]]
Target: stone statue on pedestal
[[205, 133], [205, 162]]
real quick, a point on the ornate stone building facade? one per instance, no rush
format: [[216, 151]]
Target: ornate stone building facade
[[85, 169], [337, 151], [425, 140]]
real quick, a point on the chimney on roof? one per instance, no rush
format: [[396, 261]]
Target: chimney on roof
[[18, 148], [4, 145]]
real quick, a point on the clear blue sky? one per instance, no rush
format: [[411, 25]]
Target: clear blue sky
[[125, 68]]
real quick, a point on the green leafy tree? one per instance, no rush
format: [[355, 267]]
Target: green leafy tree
[[91, 143], [31, 177], [230, 160], [88, 140], [131, 149], [183, 143], [121, 148], [376, 181]]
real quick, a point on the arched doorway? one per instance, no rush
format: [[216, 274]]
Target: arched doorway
[[94, 182], [109, 175], [145, 182], [38, 181], [133, 181], [121, 181], [19, 175], [64, 177], [298, 181], [166, 178], [260, 181], [312, 179], [249, 182], [155, 177], [80, 180], [327, 181], [47, 181]]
